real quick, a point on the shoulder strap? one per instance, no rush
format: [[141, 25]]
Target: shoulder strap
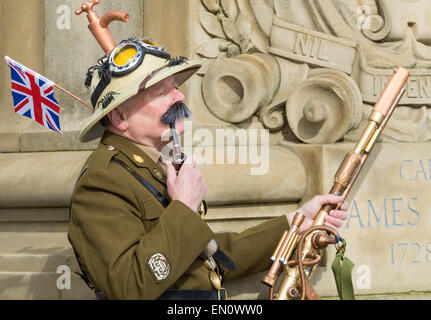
[[162, 199]]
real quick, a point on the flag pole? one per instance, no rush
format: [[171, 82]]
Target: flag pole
[[53, 83], [73, 96]]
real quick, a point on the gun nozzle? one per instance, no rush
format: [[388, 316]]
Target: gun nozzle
[[269, 280], [391, 90], [298, 219], [321, 240]]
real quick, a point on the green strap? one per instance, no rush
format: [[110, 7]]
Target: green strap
[[342, 268]]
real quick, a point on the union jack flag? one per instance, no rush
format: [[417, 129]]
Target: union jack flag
[[33, 96]]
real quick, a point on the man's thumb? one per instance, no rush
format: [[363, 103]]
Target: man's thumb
[[171, 173]]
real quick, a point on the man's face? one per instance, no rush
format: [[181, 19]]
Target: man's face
[[147, 107]]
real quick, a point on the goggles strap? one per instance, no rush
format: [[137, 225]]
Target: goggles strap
[[103, 83]]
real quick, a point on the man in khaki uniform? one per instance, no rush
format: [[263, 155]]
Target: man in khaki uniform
[[133, 221]]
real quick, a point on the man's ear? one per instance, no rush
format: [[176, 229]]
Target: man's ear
[[118, 119]]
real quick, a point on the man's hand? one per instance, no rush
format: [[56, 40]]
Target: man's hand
[[311, 207], [188, 186]]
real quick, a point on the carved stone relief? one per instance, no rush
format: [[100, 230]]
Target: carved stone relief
[[344, 50]]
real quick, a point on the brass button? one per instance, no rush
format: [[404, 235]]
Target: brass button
[[138, 159], [110, 148]]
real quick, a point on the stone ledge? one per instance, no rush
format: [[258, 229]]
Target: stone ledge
[[43, 179], [34, 243], [28, 285], [257, 211], [34, 262], [34, 215], [9, 142], [42, 141], [215, 213], [47, 179], [41, 286]]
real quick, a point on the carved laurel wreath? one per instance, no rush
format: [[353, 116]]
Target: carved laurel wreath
[[229, 30]]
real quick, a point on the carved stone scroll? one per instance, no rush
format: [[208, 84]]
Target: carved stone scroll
[[364, 39], [379, 21], [235, 88], [323, 108]]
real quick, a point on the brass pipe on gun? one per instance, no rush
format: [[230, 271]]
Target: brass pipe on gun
[[317, 237]]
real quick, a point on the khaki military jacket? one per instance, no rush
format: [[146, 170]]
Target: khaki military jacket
[[132, 247]]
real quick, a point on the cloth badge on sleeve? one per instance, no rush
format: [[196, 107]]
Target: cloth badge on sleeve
[[159, 266]]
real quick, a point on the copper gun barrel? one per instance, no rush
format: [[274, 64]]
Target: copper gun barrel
[[370, 146], [391, 90], [343, 180], [383, 109]]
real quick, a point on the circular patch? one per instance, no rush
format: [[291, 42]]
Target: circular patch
[[159, 266]]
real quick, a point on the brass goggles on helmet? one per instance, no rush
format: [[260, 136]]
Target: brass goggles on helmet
[[129, 54], [125, 58]]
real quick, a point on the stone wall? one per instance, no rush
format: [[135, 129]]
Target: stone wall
[[286, 87]]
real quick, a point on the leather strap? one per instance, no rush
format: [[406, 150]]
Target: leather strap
[[220, 256], [224, 260], [162, 199], [342, 268]]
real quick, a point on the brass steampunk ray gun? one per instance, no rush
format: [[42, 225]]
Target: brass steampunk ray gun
[[299, 268]]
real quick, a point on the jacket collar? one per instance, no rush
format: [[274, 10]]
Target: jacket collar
[[136, 155]]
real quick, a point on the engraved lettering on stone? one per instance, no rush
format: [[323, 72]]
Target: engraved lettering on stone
[[418, 89], [310, 47], [390, 213]]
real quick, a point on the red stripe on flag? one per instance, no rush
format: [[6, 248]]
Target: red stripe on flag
[[50, 104], [48, 90], [37, 99], [52, 126], [21, 105], [18, 87]]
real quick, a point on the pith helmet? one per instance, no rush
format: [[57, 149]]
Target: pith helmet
[[134, 65]]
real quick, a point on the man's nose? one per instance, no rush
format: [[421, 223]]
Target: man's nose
[[179, 96]]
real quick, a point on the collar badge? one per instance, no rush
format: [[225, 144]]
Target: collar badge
[[138, 159]]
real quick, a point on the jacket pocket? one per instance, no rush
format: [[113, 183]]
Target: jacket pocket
[[153, 209]]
